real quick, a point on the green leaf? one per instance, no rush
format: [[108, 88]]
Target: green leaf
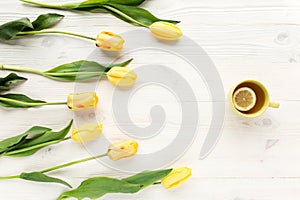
[[127, 2], [80, 70], [18, 101], [32, 140], [147, 178], [32, 145], [96, 187], [8, 143], [40, 177], [47, 137], [46, 21], [11, 81], [125, 10], [11, 29], [134, 15], [96, 3]]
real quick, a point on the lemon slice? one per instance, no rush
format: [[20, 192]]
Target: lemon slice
[[244, 99]]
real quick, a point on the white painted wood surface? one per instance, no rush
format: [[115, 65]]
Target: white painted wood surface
[[254, 160]]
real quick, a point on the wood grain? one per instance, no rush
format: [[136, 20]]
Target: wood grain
[[254, 160]]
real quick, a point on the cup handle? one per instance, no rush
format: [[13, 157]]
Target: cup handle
[[274, 105]]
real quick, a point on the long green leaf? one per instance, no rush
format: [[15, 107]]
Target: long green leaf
[[11, 29], [10, 81], [96, 187], [18, 101], [14, 141], [80, 70], [125, 10], [47, 137], [46, 21], [30, 146], [32, 140], [40, 177], [147, 178], [134, 15], [102, 2]]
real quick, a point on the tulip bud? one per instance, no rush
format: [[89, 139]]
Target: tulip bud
[[176, 177], [109, 41], [85, 132], [82, 101], [165, 30], [123, 149], [121, 76]]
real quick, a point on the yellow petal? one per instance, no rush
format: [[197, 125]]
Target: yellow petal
[[81, 101], [165, 30], [123, 149], [86, 132], [109, 41], [176, 177], [121, 76]]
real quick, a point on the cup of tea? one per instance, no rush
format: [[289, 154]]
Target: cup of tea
[[250, 98]]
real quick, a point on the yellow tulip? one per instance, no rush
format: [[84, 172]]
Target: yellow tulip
[[123, 149], [109, 41], [176, 177], [121, 76], [85, 132], [82, 101], [165, 30]]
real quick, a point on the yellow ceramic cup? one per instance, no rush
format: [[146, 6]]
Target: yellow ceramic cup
[[262, 99]]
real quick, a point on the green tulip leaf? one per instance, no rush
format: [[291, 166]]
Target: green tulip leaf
[[40, 177], [80, 70], [9, 143], [18, 101], [32, 145], [97, 187], [11, 29], [134, 15], [127, 2], [46, 21], [125, 10], [147, 178], [31, 141], [11, 81], [95, 3]]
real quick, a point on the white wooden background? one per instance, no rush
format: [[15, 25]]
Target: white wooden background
[[254, 159]]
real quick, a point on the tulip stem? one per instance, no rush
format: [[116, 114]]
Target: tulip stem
[[49, 74], [58, 166], [55, 32], [18, 69], [108, 7], [30, 103], [9, 177], [71, 163], [57, 6]]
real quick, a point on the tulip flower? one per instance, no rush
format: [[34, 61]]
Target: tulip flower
[[82, 101], [128, 148], [23, 27], [176, 177], [109, 41], [123, 149], [165, 30], [121, 76], [85, 132]]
